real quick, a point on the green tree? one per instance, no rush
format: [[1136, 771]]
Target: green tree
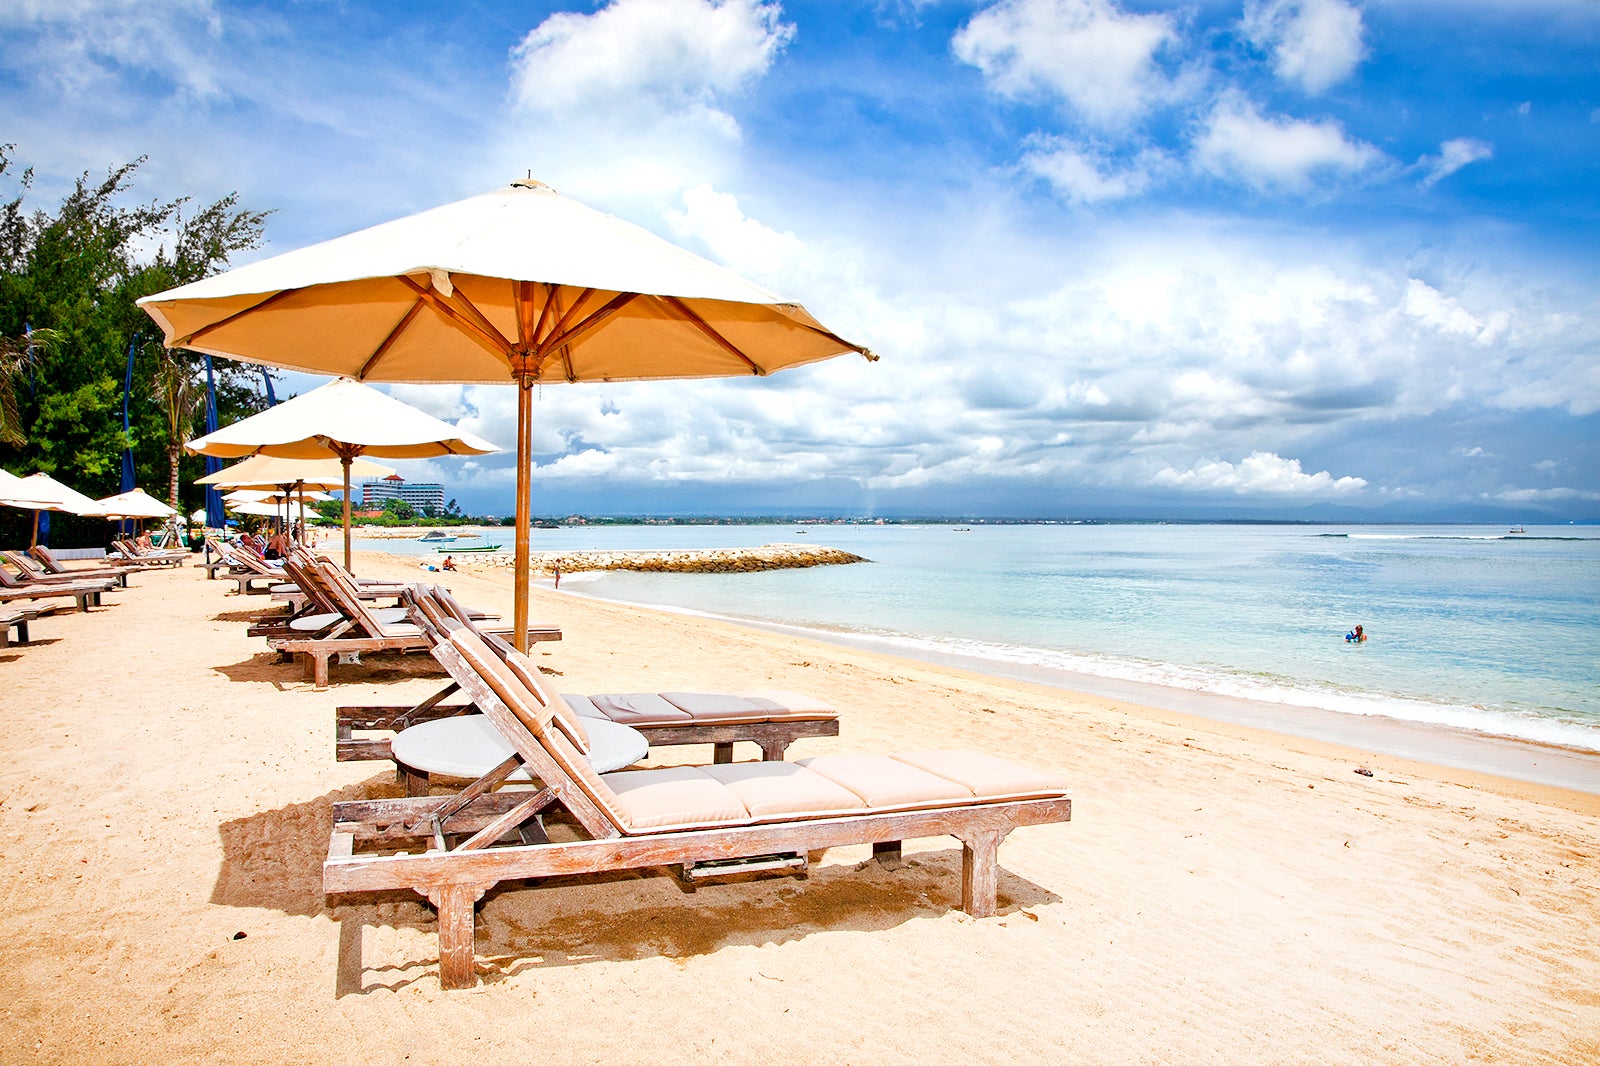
[[179, 395], [17, 355], [400, 509], [78, 271]]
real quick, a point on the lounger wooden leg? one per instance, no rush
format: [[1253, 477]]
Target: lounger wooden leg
[[319, 666], [416, 783], [772, 749], [980, 872], [722, 752], [456, 933], [887, 852]]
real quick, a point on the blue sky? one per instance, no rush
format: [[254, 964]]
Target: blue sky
[[1258, 257]]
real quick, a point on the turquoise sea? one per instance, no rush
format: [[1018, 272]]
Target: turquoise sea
[[1471, 630]]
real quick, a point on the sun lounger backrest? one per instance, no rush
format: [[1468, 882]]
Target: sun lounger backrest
[[537, 720], [45, 556], [347, 597], [302, 569], [25, 566], [435, 623]]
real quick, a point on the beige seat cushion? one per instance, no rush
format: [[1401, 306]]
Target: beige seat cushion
[[639, 708], [781, 704], [884, 781], [673, 797], [777, 789], [986, 776]]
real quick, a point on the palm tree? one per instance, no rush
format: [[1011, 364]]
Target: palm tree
[[15, 354], [178, 392]]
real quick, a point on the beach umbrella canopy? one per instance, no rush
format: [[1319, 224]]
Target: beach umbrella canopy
[[198, 516], [135, 503], [344, 419], [304, 495], [16, 492], [266, 471], [521, 286], [41, 492]]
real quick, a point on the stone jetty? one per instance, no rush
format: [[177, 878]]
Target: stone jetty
[[691, 560]]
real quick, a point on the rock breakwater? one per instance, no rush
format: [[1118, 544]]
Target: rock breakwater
[[695, 560]]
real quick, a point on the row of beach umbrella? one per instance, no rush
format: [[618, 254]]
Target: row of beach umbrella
[[519, 286]]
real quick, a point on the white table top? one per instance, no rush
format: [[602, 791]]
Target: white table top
[[469, 745]]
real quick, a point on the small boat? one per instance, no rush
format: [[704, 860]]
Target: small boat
[[1518, 529], [472, 548], [435, 537]]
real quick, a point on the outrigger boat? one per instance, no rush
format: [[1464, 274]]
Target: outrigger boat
[[472, 548], [436, 537]]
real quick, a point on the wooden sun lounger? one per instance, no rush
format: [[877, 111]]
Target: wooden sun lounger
[[769, 718], [156, 557], [15, 617], [30, 569], [362, 632], [83, 596], [47, 559], [758, 815]]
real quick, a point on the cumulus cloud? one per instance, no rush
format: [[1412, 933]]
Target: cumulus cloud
[[1238, 142], [675, 55], [1453, 155], [1314, 44], [1097, 58], [1081, 175], [1258, 474], [640, 92], [1431, 307]]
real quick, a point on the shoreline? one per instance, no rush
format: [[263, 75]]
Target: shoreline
[[1447, 747]]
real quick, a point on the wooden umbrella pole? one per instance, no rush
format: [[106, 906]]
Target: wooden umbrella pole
[[523, 559], [344, 461]]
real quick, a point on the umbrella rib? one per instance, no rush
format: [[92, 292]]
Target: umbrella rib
[[389, 341], [203, 331], [706, 328], [482, 332], [572, 336]]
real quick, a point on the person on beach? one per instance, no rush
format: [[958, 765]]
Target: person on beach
[[558, 575], [277, 547], [449, 562], [1356, 636]]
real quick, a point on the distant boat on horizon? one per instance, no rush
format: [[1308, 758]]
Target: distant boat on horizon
[[1518, 529]]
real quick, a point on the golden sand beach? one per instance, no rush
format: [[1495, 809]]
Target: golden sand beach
[[1220, 896]]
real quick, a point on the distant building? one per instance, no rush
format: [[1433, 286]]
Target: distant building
[[421, 497]]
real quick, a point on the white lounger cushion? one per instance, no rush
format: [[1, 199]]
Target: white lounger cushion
[[699, 797]]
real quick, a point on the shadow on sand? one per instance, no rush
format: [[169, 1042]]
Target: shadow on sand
[[274, 860]]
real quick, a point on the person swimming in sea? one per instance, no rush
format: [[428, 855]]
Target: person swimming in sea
[[1356, 636]]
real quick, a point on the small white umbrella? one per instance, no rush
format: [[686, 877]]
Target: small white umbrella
[[343, 418], [267, 471], [135, 503], [41, 492]]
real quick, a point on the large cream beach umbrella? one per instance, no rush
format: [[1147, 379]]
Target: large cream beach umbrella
[[521, 286], [346, 419]]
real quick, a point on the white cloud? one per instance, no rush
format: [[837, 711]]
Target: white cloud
[[1258, 474], [1098, 58], [1083, 176], [84, 46], [1315, 44], [1431, 307], [1453, 155], [1238, 142], [639, 95], [667, 55]]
